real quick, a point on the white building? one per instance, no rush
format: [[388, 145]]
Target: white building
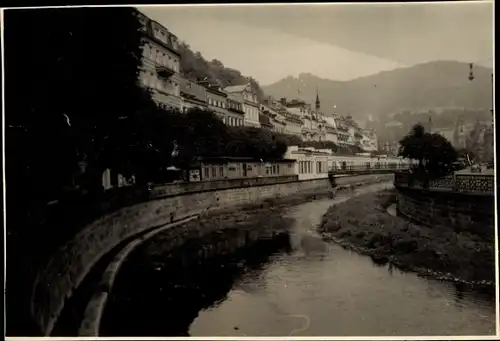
[[160, 69], [250, 103]]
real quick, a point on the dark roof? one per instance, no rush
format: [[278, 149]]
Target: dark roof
[[226, 159]]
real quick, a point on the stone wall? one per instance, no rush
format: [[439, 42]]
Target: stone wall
[[474, 213], [67, 268]]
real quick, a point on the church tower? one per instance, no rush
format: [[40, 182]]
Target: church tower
[[318, 104]]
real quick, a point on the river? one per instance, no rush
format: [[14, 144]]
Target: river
[[314, 288]]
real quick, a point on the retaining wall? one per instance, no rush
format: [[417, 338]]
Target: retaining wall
[[70, 264], [474, 213]]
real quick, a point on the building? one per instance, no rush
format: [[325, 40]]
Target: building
[[368, 140], [236, 115], [250, 103], [193, 95], [311, 128], [277, 120], [265, 122], [160, 70], [343, 134], [331, 133], [216, 100], [310, 163]]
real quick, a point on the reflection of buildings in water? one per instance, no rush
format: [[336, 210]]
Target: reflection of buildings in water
[[148, 294]]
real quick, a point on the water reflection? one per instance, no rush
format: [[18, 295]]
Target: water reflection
[[293, 284], [162, 299], [337, 292]]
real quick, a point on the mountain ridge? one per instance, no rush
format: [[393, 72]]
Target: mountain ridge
[[427, 86]]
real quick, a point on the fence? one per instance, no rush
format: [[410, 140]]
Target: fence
[[368, 168], [460, 183]]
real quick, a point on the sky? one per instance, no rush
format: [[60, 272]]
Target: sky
[[334, 41]]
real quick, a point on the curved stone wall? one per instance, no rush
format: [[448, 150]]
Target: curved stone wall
[[68, 267], [474, 213]]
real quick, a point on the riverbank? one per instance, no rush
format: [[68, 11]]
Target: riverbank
[[363, 224], [168, 280]]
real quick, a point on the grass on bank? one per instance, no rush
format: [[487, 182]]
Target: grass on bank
[[364, 224]]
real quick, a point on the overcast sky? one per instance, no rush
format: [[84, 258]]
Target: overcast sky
[[335, 41]]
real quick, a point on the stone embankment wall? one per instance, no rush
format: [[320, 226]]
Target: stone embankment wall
[[68, 267], [463, 212]]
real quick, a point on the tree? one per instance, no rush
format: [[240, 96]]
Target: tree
[[73, 108], [201, 134], [80, 98], [434, 152]]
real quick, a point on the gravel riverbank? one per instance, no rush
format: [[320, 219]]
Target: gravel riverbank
[[362, 224]]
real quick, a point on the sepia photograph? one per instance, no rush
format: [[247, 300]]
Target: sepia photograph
[[250, 170]]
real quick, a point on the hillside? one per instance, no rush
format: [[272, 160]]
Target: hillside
[[195, 67], [434, 85]]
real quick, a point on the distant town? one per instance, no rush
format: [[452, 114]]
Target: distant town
[[239, 105]]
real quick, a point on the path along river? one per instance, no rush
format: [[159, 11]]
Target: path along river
[[314, 288]]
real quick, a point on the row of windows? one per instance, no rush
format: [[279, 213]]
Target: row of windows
[[306, 167], [275, 169], [211, 172], [251, 113], [233, 105], [216, 103], [161, 58], [165, 37], [232, 121]]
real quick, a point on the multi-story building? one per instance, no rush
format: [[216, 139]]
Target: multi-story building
[[250, 103], [265, 122], [216, 100], [331, 133], [193, 95], [277, 121], [368, 140], [343, 134], [236, 115], [160, 63], [312, 128]]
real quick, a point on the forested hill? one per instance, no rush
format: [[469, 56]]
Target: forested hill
[[195, 67], [429, 86]]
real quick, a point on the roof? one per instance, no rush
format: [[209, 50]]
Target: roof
[[225, 159], [236, 88]]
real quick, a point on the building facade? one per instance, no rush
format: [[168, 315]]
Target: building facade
[[250, 103], [193, 95], [216, 100], [236, 115], [160, 70]]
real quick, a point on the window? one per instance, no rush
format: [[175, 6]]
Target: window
[[206, 172], [214, 172], [221, 171]]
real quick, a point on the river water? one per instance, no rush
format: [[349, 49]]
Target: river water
[[322, 289], [305, 288]]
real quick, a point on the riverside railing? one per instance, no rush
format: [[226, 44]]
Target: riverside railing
[[367, 169], [460, 182]]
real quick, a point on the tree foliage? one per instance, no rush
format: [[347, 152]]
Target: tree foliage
[[195, 67], [78, 100], [434, 153]]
